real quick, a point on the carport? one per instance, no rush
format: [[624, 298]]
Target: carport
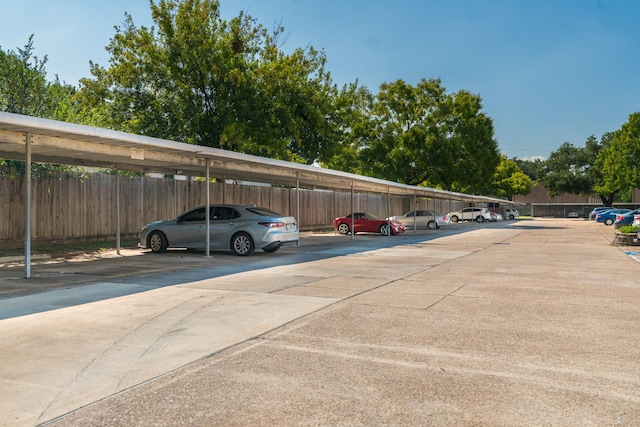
[[32, 139]]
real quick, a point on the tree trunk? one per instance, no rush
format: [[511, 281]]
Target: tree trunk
[[607, 200]]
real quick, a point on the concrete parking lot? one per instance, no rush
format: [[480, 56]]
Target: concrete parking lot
[[511, 323]]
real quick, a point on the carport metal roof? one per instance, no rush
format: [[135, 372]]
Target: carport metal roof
[[40, 140], [67, 143]]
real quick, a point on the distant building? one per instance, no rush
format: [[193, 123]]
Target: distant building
[[539, 195], [538, 203]]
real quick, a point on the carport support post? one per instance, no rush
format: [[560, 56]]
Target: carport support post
[[353, 224], [389, 210], [207, 252], [298, 204], [27, 207], [117, 209], [415, 212]]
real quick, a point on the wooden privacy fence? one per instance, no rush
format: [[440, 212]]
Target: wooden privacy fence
[[74, 205]]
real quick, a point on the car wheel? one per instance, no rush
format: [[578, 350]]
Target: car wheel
[[343, 228], [384, 229], [608, 221], [271, 249], [432, 225], [480, 218], [512, 217], [242, 244], [454, 218], [157, 242]]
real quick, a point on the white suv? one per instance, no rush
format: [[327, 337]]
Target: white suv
[[471, 214], [511, 213]]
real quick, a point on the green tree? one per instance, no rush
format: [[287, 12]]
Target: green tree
[[509, 180], [575, 170], [473, 145], [421, 135], [24, 89], [23, 82], [354, 127], [566, 171], [533, 168], [619, 162], [196, 78]]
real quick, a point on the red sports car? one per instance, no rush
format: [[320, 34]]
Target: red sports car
[[366, 223]]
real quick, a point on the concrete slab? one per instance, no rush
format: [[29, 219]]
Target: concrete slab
[[71, 357], [254, 281], [521, 323]]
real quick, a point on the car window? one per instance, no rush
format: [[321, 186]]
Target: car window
[[222, 213], [263, 212], [194, 215]]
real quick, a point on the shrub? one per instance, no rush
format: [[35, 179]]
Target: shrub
[[629, 229]]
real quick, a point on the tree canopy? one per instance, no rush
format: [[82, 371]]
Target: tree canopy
[[422, 135], [619, 161], [24, 89], [509, 180], [196, 78]]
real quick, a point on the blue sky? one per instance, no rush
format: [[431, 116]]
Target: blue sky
[[548, 71]]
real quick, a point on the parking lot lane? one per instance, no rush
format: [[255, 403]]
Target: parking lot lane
[[57, 361], [521, 323]]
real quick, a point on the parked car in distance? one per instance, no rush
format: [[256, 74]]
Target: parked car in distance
[[423, 218], [470, 214], [625, 218], [367, 223], [573, 214], [609, 217], [592, 214], [511, 213], [495, 216], [238, 228]]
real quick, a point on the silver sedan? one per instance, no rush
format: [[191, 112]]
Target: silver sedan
[[238, 228], [423, 218]]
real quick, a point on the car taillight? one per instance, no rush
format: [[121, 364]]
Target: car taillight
[[272, 224]]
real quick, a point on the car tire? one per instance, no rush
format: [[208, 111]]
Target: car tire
[[608, 221], [432, 225], [157, 242], [271, 249], [454, 218], [512, 217], [384, 229], [242, 244], [480, 219], [343, 228]]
